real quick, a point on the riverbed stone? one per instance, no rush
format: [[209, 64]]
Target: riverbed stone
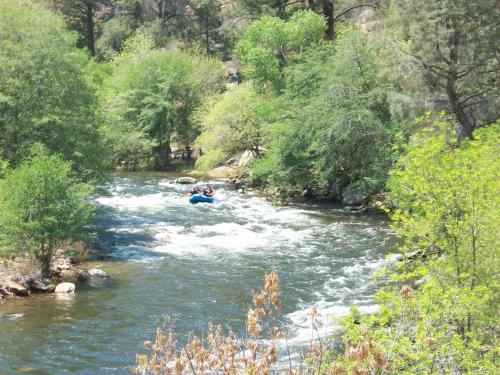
[[355, 194], [96, 272], [65, 288], [16, 288], [186, 180], [43, 286], [93, 273]]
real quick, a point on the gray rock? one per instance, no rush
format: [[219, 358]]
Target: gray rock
[[186, 180], [17, 289], [93, 273], [96, 272], [44, 286], [65, 288], [34, 282], [83, 276], [246, 158], [355, 194]]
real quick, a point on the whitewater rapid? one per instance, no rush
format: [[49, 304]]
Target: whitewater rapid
[[238, 224], [188, 264]]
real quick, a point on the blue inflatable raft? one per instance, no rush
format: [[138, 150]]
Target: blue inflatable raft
[[201, 198]]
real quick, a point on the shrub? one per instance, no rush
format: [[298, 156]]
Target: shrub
[[41, 204]]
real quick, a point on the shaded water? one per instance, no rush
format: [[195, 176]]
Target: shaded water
[[192, 263]]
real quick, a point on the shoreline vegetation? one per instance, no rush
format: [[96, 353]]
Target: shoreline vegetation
[[391, 105]]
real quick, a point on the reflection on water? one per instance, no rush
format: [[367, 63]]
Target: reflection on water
[[192, 263]]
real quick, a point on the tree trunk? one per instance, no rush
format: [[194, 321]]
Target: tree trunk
[[189, 153], [327, 8], [160, 9], [44, 257], [166, 154], [207, 39], [466, 125], [90, 28]]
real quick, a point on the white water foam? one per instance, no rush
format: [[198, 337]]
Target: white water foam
[[224, 237], [329, 314], [254, 225]]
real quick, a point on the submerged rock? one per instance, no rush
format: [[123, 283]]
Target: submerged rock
[[96, 272], [65, 288], [93, 273]]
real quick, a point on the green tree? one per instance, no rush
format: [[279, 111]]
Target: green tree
[[41, 204], [454, 46], [438, 303], [354, 127], [269, 43], [332, 10], [124, 18], [438, 311], [206, 23], [235, 122], [155, 92], [335, 128], [80, 16], [45, 95], [447, 198]]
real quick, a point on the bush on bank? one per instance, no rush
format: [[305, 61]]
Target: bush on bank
[[41, 205]]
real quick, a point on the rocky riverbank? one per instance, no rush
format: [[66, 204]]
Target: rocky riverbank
[[236, 172], [21, 277]]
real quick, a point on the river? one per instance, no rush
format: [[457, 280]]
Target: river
[[170, 260]]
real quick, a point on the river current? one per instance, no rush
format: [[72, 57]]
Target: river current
[[187, 264]]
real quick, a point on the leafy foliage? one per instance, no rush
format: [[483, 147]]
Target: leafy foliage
[[126, 17], [80, 16], [453, 46], [154, 93], [41, 204], [336, 126], [442, 316], [234, 122], [45, 96], [269, 42]]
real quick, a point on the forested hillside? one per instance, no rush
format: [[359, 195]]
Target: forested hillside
[[336, 100]]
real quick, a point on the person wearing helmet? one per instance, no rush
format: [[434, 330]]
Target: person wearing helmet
[[207, 190]]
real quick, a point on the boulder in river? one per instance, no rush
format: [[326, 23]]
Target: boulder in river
[[356, 194], [93, 273], [44, 286], [186, 180], [65, 288], [17, 289], [34, 282]]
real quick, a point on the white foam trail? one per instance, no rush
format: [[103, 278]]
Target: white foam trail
[[224, 237], [150, 201], [330, 313]]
